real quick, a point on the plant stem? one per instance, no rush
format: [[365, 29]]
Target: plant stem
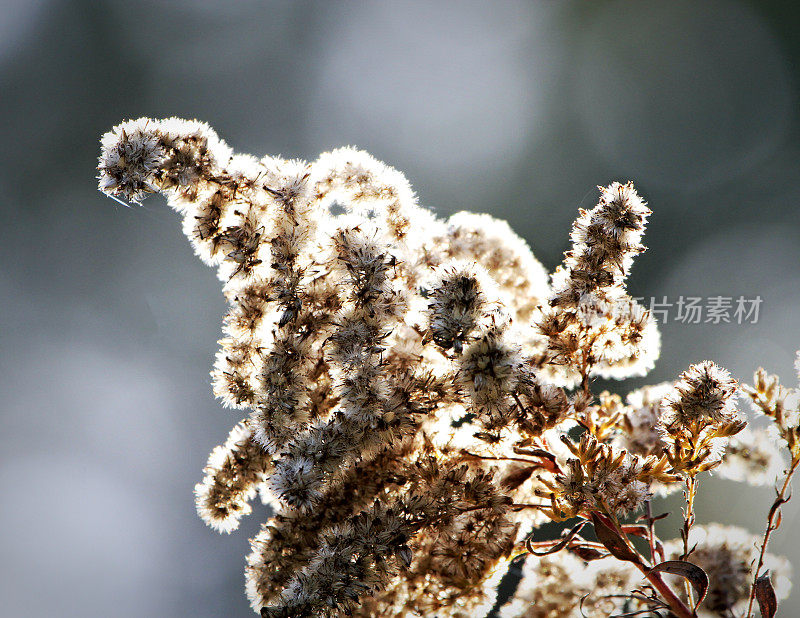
[[688, 522], [676, 605], [679, 608], [651, 532], [771, 526]]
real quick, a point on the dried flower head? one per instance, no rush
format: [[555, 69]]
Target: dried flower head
[[599, 478], [406, 387], [752, 456], [698, 416], [564, 586], [235, 471], [592, 325], [781, 405], [640, 434], [704, 391]]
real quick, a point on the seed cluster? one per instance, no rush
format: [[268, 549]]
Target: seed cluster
[[416, 392]]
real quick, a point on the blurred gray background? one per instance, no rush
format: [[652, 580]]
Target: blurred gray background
[[108, 323]]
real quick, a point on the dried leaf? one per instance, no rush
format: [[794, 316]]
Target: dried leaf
[[765, 595], [587, 553], [696, 576], [558, 546], [612, 541], [534, 452], [517, 477], [779, 501], [406, 556], [654, 518], [636, 530], [491, 438]]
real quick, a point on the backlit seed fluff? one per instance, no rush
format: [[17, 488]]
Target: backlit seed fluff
[[563, 586], [132, 157], [752, 456], [235, 471], [704, 391], [461, 296], [640, 435], [418, 394]]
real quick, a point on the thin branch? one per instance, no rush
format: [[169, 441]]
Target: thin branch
[[689, 517], [773, 522]]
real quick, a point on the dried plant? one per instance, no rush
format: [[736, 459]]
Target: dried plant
[[419, 399]]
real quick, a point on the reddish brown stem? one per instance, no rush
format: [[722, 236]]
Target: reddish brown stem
[[678, 607], [773, 513], [651, 534], [691, 493]]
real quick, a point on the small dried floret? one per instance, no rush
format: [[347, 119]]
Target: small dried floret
[[600, 478], [131, 160], [460, 297], [522, 281], [626, 341], [780, 404], [489, 371]]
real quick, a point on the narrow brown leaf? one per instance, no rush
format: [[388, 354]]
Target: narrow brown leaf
[[691, 572], [558, 546], [584, 552], [636, 530], [653, 518], [535, 452], [612, 541], [779, 501], [517, 477], [765, 595]]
